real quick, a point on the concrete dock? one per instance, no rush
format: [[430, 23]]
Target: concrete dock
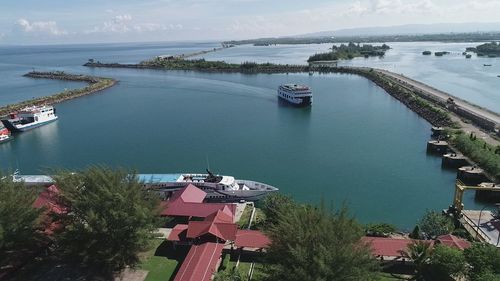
[[482, 225]]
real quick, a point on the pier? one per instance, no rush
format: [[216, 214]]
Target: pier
[[96, 84]]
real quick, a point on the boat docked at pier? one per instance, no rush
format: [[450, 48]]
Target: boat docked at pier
[[299, 95], [30, 118], [4, 134], [218, 187]]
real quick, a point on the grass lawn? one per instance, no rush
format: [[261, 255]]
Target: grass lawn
[[160, 261], [244, 267]]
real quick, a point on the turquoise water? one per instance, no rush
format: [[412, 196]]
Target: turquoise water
[[356, 145], [468, 79]]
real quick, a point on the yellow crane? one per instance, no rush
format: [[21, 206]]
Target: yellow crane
[[460, 188]]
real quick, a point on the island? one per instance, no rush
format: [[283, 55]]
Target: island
[[426, 53], [350, 51], [491, 49]]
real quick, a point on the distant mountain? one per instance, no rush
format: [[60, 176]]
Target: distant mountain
[[410, 29]]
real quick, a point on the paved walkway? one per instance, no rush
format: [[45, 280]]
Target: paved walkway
[[489, 227]]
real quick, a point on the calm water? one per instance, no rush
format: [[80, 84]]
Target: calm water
[[465, 78], [355, 145]]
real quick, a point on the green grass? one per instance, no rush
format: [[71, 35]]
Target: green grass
[[244, 267], [159, 266]]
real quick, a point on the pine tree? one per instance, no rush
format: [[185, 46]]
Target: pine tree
[[311, 243], [110, 220], [19, 220]]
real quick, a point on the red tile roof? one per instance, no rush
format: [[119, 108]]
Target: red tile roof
[[251, 239], [188, 202], [453, 241], [48, 199], [178, 233], [219, 224], [387, 247], [200, 262], [189, 194]]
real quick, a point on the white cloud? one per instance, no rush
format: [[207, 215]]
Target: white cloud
[[124, 23], [49, 27]]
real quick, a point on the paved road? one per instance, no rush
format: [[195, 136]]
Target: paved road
[[430, 91], [492, 116]]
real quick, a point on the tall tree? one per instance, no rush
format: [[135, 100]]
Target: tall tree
[[434, 224], [419, 251], [311, 243], [484, 261], [447, 262], [19, 220], [110, 220]]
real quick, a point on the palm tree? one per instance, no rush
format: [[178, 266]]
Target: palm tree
[[419, 251]]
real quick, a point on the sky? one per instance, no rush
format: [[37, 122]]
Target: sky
[[89, 21]]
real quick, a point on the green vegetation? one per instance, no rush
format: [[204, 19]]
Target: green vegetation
[[419, 252], [311, 243], [219, 66], [350, 51], [19, 222], [379, 229], [110, 221], [487, 49], [485, 155], [445, 262], [434, 224], [95, 84], [484, 261], [440, 54], [156, 262], [447, 37], [273, 204]]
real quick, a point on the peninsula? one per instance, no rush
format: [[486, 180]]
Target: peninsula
[[96, 84], [491, 49]]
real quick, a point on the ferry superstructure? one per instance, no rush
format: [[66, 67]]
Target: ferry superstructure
[[30, 118], [218, 188], [300, 95]]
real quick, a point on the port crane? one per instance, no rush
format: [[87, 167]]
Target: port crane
[[460, 188]]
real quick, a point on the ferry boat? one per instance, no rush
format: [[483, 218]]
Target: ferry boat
[[299, 95], [30, 118], [218, 188], [4, 134]]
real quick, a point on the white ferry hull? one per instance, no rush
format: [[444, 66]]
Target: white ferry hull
[[13, 127]]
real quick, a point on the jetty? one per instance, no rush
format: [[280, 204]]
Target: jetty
[[483, 117], [95, 84], [194, 54]]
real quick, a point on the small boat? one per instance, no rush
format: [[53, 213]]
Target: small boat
[[486, 64], [299, 95], [30, 118], [4, 134]]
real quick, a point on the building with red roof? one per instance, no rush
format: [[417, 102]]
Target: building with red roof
[[207, 237], [453, 241], [48, 199], [200, 263], [188, 202], [251, 239]]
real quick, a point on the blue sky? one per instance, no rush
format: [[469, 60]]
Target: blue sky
[[76, 21]]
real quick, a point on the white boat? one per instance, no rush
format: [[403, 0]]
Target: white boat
[[300, 95], [30, 118], [218, 188]]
